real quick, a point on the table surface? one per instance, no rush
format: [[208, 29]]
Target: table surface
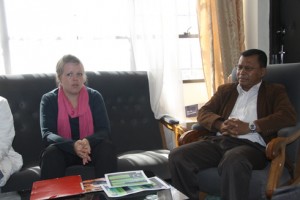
[[168, 194]]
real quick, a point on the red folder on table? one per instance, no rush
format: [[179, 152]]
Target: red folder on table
[[57, 187]]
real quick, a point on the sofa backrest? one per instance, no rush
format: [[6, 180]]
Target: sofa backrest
[[127, 99], [288, 75], [126, 94], [24, 93]]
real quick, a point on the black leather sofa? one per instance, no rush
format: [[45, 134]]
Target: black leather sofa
[[134, 130]]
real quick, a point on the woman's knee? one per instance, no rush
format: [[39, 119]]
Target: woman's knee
[[105, 146], [52, 152], [103, 150], [104, 157], [52, 163]]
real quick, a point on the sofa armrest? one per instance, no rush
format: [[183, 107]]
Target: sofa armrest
[[172, 124], [275, 151], [285, 132], [192, 136], [167, 119], [195, 134]]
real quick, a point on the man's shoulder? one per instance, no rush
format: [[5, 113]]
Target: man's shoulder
[[228, 86], [273, 86], [269, 84]]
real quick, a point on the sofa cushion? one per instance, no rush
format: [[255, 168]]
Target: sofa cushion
[[152, 161], [22, 181]]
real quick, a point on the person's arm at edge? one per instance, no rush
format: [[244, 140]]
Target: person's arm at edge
[[7, 132]]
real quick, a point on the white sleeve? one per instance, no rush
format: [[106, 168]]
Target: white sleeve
[[7, 131]]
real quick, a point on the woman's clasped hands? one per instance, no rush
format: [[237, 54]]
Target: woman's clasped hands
[[83, 150]]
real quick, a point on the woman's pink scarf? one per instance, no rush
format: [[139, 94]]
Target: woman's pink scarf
[[83, 111]]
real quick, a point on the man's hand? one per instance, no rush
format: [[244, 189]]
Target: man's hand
[[83, 149], [234, 127]]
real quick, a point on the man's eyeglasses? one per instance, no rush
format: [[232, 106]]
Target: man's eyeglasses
[[246, 68], [71, 75]]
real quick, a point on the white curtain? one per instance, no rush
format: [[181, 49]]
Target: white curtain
[[149, 25], [4, 47], [154, 40]]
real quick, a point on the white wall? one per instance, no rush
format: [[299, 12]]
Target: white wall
[[256, 14], [194, 93]]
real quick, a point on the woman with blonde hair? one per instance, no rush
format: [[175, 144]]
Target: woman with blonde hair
[[74, 124]]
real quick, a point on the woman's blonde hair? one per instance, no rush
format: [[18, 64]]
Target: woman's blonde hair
[[64, 60]]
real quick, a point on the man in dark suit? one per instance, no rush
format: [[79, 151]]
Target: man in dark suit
[[245, 116]]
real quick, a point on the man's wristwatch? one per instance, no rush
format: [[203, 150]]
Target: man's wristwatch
[[252, 127]]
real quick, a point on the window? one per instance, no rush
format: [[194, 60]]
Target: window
[[42, 31], [189, 48]]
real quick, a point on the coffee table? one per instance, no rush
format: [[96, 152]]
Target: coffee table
[[166, 194], [169, 194]]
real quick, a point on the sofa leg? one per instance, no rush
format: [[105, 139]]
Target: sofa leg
[[202, 195]]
